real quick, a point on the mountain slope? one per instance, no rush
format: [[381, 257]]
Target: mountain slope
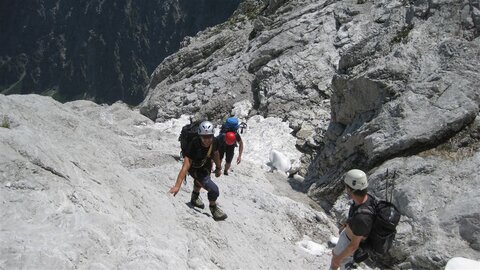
[[86, 186], [98, 50]]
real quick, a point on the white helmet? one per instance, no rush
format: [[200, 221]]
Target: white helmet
[[356, 179], [206, 128]]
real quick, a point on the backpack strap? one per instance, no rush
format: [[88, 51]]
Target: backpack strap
[[209, 151], [202, 163], [366, 209]]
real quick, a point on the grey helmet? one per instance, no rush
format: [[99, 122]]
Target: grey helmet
[[206, 128], [356, 179]]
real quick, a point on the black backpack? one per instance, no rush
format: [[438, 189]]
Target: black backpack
[[384, 226], [188, 133], [386, 219]]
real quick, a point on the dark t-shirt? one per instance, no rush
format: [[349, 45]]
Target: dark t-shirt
[[359, 222], [223, 145], [196, 152]]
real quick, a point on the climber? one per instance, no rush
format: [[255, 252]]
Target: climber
[[228, 139], [198, 163], [358, 224]]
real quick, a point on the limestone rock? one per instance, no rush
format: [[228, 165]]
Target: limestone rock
[[382, 83]]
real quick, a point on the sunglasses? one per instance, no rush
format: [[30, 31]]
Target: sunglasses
[[205, 137]]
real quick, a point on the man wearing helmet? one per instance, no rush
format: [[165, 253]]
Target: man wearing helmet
[[198, 163], [359, 223]]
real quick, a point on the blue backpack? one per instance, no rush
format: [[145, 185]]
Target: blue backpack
[[231, 124]]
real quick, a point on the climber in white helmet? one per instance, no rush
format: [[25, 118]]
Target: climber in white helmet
[[358, 224]]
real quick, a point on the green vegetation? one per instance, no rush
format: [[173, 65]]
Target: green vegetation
[[462, 145], [252, 10], [14, 88], [5, 122], [402, 34], [247, 9]]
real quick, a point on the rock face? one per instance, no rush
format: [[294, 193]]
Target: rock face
[[373, 85], [85, 186], [279, 57], [404, 86], [407, 85], [99, 50]]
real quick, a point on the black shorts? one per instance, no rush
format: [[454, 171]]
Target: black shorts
[[200, 173], [228, 151]]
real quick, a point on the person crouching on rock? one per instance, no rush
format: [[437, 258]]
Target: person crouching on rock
[[198, 163]]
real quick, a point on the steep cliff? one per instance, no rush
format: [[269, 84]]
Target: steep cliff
[[374, 85], [99, 50]]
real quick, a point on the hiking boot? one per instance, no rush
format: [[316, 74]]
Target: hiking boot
[[196, 200], [217, 213], [350, 265], [360, 255]]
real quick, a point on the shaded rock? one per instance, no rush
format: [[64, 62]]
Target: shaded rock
[[99, 50]]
